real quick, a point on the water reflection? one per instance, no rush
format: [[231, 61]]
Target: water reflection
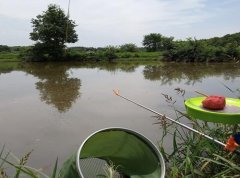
[[35, 124], [59, 89], [169, 73], [56, 86], [112, 66], [6, 67]]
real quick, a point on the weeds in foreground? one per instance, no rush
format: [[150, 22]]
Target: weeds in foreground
[[20, 166], [110, 171], [194, 156]]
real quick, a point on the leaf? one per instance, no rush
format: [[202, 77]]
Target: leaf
[[4, 157], [233, 165], [55, 169], [198, 172], [205, 165], [174, 142], [69, 169], [2, 150], [216, 162], [20, 168], [164, 154]]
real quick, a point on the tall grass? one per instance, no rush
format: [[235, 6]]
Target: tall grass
[[194, 156], [9, 57]]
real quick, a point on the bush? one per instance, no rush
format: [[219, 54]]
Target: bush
[[4, 48], [110, 53], [125, 55], [129, 47]]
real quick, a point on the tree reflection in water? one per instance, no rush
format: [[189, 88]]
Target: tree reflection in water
[[169, 73], [55, 86], [59, 89]]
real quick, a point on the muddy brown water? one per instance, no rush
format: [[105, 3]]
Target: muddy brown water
[[53, 107]]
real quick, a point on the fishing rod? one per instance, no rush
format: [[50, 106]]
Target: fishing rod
[[68, 14], [117, 93]]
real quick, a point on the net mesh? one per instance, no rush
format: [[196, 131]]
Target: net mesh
[[95, 168]]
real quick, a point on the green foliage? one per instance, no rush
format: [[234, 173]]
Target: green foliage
[[226, 48], [157, 42], [92, 54], [152, 42], [129, 47], [69, 168], [191, 50], [9, 57], [125, 55], [4, 48], [110, 53], [51, 31], [223, 41], [11, 54]]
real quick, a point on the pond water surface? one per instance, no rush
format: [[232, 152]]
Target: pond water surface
[[53, 107]]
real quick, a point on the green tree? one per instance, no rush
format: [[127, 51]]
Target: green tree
[[167, 43], [232, 50], [110, 53], [152, 42], [51, 31]]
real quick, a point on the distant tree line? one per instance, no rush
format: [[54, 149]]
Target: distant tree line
[[4, 48], [217, 49], [53, 29], [103, 53]]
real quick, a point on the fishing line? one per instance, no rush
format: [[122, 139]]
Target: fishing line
[[68, 14]]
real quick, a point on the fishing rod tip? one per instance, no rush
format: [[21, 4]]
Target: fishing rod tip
[[116, 92], [203, 94]]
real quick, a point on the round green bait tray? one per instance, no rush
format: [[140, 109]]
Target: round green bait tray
[[229, 115]]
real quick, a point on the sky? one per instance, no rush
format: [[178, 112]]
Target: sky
[[116, 22]]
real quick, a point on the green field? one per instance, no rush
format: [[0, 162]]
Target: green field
[[139, 56], [9, 57]]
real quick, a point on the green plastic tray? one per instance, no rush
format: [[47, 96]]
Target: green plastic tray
[[229, 115]]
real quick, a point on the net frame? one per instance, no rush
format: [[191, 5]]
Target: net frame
[[140, 136]]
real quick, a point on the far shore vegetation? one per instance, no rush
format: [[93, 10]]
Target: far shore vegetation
[[156, 48], [53, 30]]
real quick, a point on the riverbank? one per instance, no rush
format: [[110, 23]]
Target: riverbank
[[76, 55]]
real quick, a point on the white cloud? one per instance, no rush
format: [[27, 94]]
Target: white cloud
[[104, 22]]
